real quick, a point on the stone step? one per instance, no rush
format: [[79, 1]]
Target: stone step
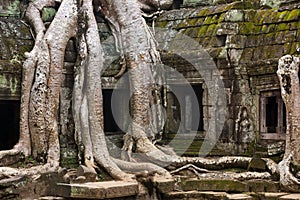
[[212, 195], [290, 197], [194, 195], [230, 185], [98, 190]]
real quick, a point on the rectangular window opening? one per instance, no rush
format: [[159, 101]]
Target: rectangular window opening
[[272, 116], [221, 40]]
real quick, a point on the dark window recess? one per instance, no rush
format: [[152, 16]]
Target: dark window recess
[[9, 124], [221, 40], [177, 4], [110, 124], [271, 114]]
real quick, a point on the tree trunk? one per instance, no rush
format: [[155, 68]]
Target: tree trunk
[[142, 59], [287, 72]]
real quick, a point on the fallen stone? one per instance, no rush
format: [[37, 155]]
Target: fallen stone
[[98, 190]]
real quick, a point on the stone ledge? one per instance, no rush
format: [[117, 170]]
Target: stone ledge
[[98, 190], [295, 196], [230, 185]]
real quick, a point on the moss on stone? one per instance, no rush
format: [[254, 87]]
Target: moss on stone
[[48, 14], [258, 19], [268, 28], [211, 30], [69, 158], [270, 16], [249, 15], [281, 16], [282, 27], [192, 32], [203, 12], [286, 48], [208, 20], [293, 15], [193, 22], [294, 47], [293, 25], [221, 18], [162, 24], [202, 31], [248, 28], [14, 8]]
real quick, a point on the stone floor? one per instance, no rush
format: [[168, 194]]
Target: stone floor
[[167, 189]]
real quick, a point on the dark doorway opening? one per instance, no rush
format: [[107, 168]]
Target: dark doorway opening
[[9, 124], [199, 94], [110, 124], [271, 114], [185, 108]]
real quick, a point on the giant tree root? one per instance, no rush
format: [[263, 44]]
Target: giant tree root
[[10, 157], [288, 181]]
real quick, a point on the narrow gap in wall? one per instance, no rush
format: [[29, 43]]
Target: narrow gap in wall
[[9, 124]]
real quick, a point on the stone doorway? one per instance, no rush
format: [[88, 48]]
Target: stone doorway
[[9, 123], [183, 108], [116, 119]]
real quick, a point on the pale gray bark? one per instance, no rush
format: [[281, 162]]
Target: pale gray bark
[[287, 72]]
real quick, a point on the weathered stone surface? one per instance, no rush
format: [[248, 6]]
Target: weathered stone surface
[[257, 164], [51, 198], [238, 196], [89, 174], [215, 185], [290, 197], [195, 195], [270, 195], [263, 186], [98, 190], [164, 185]]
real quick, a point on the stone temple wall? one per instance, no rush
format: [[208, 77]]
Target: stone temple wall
[[242, 38], [245, 40]]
